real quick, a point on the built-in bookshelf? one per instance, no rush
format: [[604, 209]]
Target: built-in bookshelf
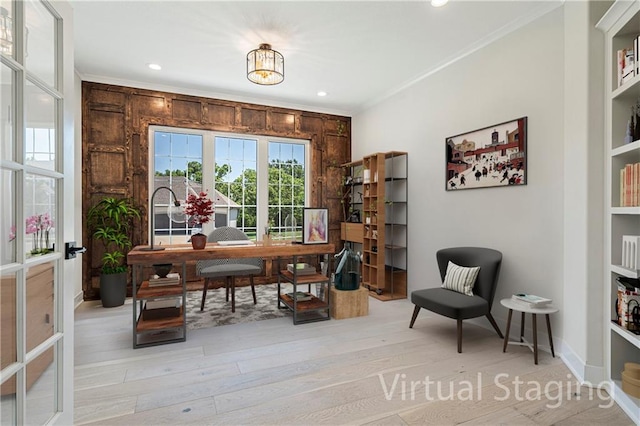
[[621, 25]]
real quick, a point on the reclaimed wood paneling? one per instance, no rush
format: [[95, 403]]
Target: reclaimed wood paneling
[[221, 114], [186, 110], [283, 122], [254, 119], [115, 132]]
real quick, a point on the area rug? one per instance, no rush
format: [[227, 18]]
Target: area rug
[[217, 312]]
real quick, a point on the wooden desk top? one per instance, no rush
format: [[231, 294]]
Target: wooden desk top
[[178, 253]]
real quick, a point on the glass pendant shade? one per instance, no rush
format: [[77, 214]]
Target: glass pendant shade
[[176, 214], [265, 66]]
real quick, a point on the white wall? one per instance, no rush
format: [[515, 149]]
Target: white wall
[[519, 75]]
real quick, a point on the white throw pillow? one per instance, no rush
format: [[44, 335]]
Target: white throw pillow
[[460, 279]]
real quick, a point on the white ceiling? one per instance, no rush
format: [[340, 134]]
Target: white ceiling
[[358, 52]]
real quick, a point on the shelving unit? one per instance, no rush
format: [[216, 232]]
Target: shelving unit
[[374, 213], [318, 307], [158, 331], [381, 198], [621, 24], [396, 225]]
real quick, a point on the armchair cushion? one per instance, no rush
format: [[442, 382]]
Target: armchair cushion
[[450, 303], [460, 279]]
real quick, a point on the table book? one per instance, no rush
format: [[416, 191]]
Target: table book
[[531, 300]]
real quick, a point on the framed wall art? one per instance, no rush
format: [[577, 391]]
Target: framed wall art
[[315, 226], [493, 156]]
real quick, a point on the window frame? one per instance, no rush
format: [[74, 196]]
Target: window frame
[[208, 166]]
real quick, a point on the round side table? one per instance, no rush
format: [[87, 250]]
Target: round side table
[[524, 309]]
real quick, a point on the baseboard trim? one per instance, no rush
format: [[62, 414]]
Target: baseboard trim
[[78, 299]]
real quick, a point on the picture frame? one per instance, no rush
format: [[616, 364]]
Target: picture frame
[[315, 226], [489, 157]]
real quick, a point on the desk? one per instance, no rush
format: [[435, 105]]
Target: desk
[[520, 307], [182, 253]]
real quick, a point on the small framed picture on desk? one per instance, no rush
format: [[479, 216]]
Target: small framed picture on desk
[[315, 226]]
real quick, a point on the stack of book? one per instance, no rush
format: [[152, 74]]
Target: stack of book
[[628, 62], [301, 268], [300, 296], [530, 300], [630, 185], [170, 279]]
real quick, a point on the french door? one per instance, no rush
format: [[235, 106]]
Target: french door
[[35, 349]]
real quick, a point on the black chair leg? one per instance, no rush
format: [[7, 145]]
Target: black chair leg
[[495, 326], [233, 294], [253, 290], [204, 293], [414, 316], [459, 336], [227, 284]]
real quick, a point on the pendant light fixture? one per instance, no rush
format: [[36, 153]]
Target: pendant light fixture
[[265, 66]]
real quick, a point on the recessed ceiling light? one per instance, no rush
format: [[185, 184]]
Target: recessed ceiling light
[[438, 3], [321, 93], [154, 67]]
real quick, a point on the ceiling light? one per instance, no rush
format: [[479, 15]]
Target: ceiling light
[[321, 93], [265, 66], [155, 67], [438, 3]]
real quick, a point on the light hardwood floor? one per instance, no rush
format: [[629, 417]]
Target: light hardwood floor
[[370, 370]]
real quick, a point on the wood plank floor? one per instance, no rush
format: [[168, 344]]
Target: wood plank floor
[[370, 370]]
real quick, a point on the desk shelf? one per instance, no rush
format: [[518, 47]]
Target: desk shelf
[[158, 331], [315, 309]]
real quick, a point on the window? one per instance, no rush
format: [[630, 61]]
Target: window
[[257, 181]]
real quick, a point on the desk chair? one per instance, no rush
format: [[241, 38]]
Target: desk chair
[[456, 305], [228, 268]]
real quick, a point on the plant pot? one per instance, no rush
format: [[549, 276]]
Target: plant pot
[[198, 241], [113, 289]]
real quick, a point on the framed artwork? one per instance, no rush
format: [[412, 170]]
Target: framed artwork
[[488, 157], [315, 226]]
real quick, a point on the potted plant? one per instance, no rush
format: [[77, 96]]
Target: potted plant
[[199, 208], [111, 221]]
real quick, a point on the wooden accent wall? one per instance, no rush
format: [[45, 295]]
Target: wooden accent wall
[[115, 149]]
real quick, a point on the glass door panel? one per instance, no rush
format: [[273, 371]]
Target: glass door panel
[[40, 118], [8, 217], [7, 113], [8, 354], [39, 208], [41, 389], [40, 45], [40, 303], [6, 28]]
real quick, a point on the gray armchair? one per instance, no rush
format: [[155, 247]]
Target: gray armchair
[[457, 305], [228, 268]]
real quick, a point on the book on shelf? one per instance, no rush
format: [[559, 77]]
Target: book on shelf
[[627, 63], [630, 185], [173, 302], [531, 300], [301, 268], [300, 296], [170, 279]]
